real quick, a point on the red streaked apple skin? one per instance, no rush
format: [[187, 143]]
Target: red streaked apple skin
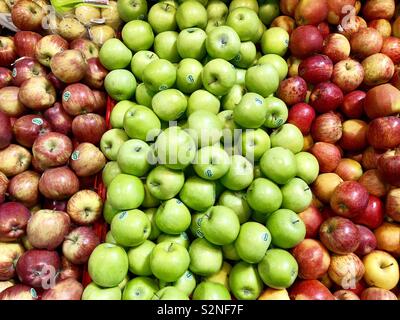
[[370, 158], [27, 15], [372, 217], [26, 68], [59, 120], [78, 99], [336, 47], [349, 199], [69, 270], [366, 42], [292, 90], [346, 270], [58, 183], [328, 156], [349, 170], [391, 48], [354, 137], [374, 183], [392, 207], [348, 75], [345, 295], [384, 133], [14, 218], [311, 12], [5, 77], [389, 167], [327, 127], [95, 74], [316, 69], [367, 241], [374, 293], [381, 101], [89, 127], [69, 66], [27, 128], [37, 93], [24, 188], [378, 69], [48, 46], [9, 102], [312, 219], [19, 292], [310, 290], [25, 43], [67, 289]]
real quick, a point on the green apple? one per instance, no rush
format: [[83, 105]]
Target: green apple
[[181, 239], [251, 4], [297, 195], [229, 252], [241, 76], [245, 282], [237, 202], [169, 104], [191, 14], [132, 157], [111, 141], [202, 100], [162, 17], [110, 171], [159, 75], [244, 21], [120, 84], [277, 112], [260, 31], [141, 123], [205, 127], [169, 261], [215, 23], [175, 148], [268, 11], [218, 77], [220, 225], [278, 62], [251, 111], [198, 194], [109, 212], [108, 265], [216, 9], [288, 136], [286, 227], [110, 239], [233, 97], [195, 224], [279, 165], [139, 258], [151, 213], [164, 183], [254, 143], [264, 196], [94, 292], [223, 42], [278, 269], [170, 293], [130, 228], [275, 40], [205, 257], [240, 174], [140, 288], [125, 192], [186, 283], [270, 77], [257, 171], [230, 129], [252, 242], [165, 46], [118, 113], [307, 167], [207, 290], [114, 54], [124, 282], [149, 200], [260, 217], [138, 35], [131, 10], [188, 75], [144, 95], [140, 60], [191, 43], [173, 217], [211, 163], [246, 56]]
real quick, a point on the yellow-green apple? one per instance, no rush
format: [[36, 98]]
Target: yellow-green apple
[[164, 183], [245, 282], [95, 292], [161, 17], [191, 14], [267, 87], [219, 76], [120, 191], [191, 43], [240, 167], [205, 257]]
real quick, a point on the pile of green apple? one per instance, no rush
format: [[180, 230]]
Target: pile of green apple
[[204, 180]]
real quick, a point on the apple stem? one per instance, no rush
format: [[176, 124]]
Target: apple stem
[[296, 221], [387, 266], [170, 246]]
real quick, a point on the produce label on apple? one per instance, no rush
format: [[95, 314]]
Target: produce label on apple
[[66, 96], [75, 155], [37, 121]]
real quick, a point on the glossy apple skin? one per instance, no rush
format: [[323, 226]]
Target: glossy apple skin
[[288, 7], [292, 90], [58, 183], [68, 289], [328, 156], [302, 116], [354, 137], [392, 205], [339, 235], [305, 41], [26, 68], [366, 42], [310, 290], [8, 53], [353, 104], [325, 97], [100, 102], [59, 120], [336, 47], [58, 205], [389, 166], [25, 43], [95, 74], [372, 217], [285, 22], [316, 69], [374, 183], [378, 9], [381, 101], [78, 99], [391, 47], [89, 128], [370, 158], [348, 75], [384, 133], [349, 170], [5, 77], [349, 199], [27, 128], [311, 12], [24, 188], [14, 218], [327, 127], [374, 293], [5, 131], [312, 219], [19, 292], [367, 241], [386, 237]]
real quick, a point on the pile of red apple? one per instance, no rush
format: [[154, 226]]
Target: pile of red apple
[[51, 122]]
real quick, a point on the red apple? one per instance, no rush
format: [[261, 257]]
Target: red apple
[[374, 183], [349, 199], [310, 290], [25, 43], [37, 93], [336, 47], [3, 186], [366, 42], [47, 229], [346, 270], [19, 292], [382, 100], [389, 166], [88, 48], [59, 120], [14, 159], [324, 28], [85, 207], [349, 170], [336, 10], [27, 15], [57, 205], [78, 99], [8, 52], [328, 156], [69, 66], [302, 116], [348, 74], [58, 183], [24, 188], [288, 7], [9, 102], [292, 90], [89, 127], [57, 83], [49, 46], [87, 160], [5, 131], [374, 293], [27, 128], [5, 77], [354, 136], [373, 215], [95, 74], [38, 268], [391, 48], [392, 206], [9, 255], [367, 241], [26, 68], [79, 244], [353, 104], [316, 69], [100, 102], [370, 158], [339, 235], [69, 270], [327, 127], [378, 69], [352, 24], [312, 219], [383, 26], [378, 9], [305, 41], [326, 96], [384, 133], [68, 289], [311, 12], [345, 295], [285, 22], [52, 149], [13, 221]]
